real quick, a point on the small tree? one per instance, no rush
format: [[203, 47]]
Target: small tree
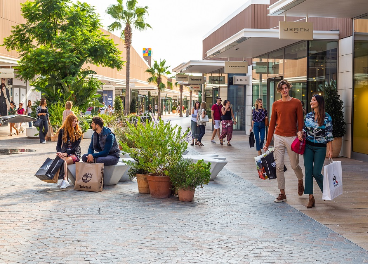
[[334, 107], [133, 106], [118, 106]]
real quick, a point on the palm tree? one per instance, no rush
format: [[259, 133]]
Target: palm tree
[[128, 16], [157, 71]]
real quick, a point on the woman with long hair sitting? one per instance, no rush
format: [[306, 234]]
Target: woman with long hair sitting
[[68, 145]]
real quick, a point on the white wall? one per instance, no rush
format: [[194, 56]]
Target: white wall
[[248, 103], [345, 89]]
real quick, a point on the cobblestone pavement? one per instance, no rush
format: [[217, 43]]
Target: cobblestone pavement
[[230, 221]]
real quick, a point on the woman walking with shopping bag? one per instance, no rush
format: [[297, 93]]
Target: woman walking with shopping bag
[[43, 114], [318, 135], [259, 116]]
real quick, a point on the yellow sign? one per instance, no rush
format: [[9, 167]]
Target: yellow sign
[[296, 30]]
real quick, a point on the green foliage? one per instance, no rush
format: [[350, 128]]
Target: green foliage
[[187, 175], [157, 71], [58, 38], [84, 123], [56, 115], [157, 146], [118, 106], [173, 107], [108, 119], [334, 107], [133, 106]]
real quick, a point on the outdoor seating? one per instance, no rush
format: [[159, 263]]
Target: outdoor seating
[[217, 163]]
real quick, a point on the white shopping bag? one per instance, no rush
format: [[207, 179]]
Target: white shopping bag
[[332, 180]]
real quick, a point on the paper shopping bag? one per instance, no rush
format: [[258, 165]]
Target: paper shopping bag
[[332, 180], [49, 171], [89, 177], [269, 165]]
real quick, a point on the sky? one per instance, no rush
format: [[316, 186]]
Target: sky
[[178, 26]]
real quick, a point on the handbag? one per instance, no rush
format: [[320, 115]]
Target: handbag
[[298, 146], [204, 119], [37, 123], [332, 180], [251, 140]]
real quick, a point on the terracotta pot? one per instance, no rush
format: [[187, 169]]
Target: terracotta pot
[[160, 186], [186, 195], [174, 111], [142, 183], [336, 147], [54, 137], [120, 147]]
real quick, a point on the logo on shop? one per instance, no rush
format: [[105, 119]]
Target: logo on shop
[[335, 182]]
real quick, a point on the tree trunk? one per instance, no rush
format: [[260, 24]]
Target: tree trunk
[[127, 89], [159, 102], [181, 101]]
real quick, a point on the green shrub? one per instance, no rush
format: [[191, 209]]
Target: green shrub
[[334, 107]]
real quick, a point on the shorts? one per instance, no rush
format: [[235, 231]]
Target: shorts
[[74, 158], [217, 124]]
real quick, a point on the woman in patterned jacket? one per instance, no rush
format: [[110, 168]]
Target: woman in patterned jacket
[[318, 133]]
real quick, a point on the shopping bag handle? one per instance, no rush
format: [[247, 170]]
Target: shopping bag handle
[[331, 160]]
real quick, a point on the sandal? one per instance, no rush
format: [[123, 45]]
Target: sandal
[[221, 141], [192, 144], [200, 144], [228, 143]]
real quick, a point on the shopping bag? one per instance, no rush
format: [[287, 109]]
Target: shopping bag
[[49, 171], [332, 180], [269, 165], [89, 177], [261, 172], [251, 140], [37, 123], [204, 119], [298, 146]]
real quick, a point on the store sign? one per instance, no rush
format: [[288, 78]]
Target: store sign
[[154, 93], [6, 73], [216, 80], [195, 87], [143, 92], [296, 30], [261, 67], [196, 80], [182, 78], [236, 67], [241, 80]]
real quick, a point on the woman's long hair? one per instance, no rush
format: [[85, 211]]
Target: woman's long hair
[[256, 105], [43, 101], [321, 109], [195, 105], [74, 133]]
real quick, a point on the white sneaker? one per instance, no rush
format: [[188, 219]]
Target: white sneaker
[[44, 142], [213, 141], [64, 184]]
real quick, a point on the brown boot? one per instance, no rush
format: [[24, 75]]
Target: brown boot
[[311, 202], [300, 188]]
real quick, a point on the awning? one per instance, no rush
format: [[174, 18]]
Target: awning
[[6, 61], [318, 8], [200, 66], [250, 43]]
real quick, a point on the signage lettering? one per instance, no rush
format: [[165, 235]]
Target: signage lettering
[[236, 67], [296, 30]]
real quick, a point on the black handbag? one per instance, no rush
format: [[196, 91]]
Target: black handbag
[[251, 140], [37, 123], [269, 165]]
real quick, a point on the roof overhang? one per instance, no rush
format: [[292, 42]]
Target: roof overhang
[[6, 61], [318, 8], [250, 43], [200, 66]]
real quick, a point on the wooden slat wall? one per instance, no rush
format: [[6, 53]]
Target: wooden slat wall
[[361, 25]]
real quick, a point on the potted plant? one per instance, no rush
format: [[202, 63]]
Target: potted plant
[[173, 109], [185, 176], [133, 106], [334, 107], [158, 145]]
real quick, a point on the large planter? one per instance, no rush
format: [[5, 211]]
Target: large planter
[[54, 137], [160, 186], [88, 133], [32, 132], [174, 111], [186, 195], [142, 183], [336, 147]]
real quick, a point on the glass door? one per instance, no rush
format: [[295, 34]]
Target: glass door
[[272, 92]]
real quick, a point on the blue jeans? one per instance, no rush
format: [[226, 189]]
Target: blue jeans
[[108, 160], [29, 123], [202, 129], [259, 129]]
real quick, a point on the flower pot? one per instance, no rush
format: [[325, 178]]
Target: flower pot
[[160, 186], [186, 195], [174, 111], [142, 183], [336, 147], [54, 137]]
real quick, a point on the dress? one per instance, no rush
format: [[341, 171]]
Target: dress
[[4, 100]]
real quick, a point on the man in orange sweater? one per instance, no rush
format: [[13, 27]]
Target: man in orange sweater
[[287, 113]]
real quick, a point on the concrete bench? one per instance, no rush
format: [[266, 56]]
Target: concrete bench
[[217, 163], [112, 174], [31, 132]]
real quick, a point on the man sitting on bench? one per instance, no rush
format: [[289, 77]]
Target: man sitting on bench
[[103, 147]]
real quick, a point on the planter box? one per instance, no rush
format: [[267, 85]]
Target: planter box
[[88, 133], [32, 132]]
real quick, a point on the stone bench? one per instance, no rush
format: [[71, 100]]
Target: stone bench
[[32, 132], [112, 174], [217, 163]]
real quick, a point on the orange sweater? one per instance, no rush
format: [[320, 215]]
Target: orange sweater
[[289, 119]]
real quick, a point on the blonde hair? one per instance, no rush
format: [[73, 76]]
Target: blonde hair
[[68, 105], [203, 105], [256, 104]]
